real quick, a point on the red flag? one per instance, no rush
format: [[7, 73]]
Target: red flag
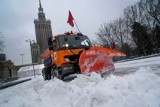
[[70, 19]]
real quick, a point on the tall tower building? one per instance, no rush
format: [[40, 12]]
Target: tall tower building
[[43, 29], [35, 53]]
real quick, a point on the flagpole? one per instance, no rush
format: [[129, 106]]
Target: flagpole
[[76, 26], [71, 22]]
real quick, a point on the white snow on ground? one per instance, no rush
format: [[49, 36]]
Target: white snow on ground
[[132, 66], [138, 89]]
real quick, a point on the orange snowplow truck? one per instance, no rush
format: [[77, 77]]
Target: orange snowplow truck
[[71, 53]]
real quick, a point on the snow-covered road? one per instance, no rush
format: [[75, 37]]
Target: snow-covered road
[[132, 66], [141, 88]]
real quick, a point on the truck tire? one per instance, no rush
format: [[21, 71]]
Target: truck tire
[[57, 74], [48, 73], [61, 77]]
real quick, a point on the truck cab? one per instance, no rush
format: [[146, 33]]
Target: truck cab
[[62, 56]]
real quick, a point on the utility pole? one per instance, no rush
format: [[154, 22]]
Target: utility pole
[[30, 42]]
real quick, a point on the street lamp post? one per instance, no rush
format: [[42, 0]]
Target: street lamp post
[[22, 57], [30, 42]]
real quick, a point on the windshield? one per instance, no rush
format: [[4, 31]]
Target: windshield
[[74, 41]]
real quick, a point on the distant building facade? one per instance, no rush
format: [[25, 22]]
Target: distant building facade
[[7, 69], [36, 57], [43, 30]]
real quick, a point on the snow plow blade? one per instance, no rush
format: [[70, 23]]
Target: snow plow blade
[[97, 59]]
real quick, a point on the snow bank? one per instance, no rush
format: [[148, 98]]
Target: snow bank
[[140, 89]]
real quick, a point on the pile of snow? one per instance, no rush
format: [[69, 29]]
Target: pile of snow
[[140, 89]]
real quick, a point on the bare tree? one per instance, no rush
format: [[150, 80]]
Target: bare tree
[[152, 8], [114, 32], [145, 16], [104, 35]]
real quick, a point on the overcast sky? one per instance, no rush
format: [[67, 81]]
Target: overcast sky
[[17, 16]]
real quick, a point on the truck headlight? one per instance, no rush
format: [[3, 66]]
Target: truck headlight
[[67, 59], [66, 45]]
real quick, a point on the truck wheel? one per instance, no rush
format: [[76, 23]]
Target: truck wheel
[[61, 77], [48, 73], [57, 75]]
